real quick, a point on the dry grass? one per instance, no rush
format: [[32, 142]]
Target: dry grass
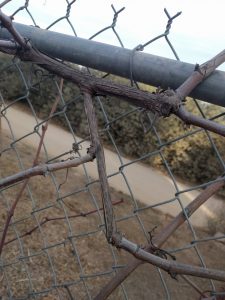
[[61, 252]]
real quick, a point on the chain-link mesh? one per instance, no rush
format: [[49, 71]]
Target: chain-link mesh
[[55, 246]]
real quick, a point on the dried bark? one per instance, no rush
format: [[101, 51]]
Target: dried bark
[[163, 104]]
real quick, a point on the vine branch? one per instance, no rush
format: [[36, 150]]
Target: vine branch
[[35, 162], [46, 168], [50, 219], [99, 152], [160, 238], [171, 267], [164, 104]]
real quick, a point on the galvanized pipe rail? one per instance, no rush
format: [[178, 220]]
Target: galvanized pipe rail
[[146, 68]]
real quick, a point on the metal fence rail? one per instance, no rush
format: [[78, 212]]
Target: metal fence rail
[[55, 247], [146, 68]]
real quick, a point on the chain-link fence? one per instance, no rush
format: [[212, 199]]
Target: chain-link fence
[[53, 227]]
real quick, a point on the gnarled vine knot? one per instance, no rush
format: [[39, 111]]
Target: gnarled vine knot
[[169, 102]]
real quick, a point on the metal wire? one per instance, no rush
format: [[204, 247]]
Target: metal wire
[[51, 253]]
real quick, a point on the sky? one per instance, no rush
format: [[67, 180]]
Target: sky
[[197, 34]]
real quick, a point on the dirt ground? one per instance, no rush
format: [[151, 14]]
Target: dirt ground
[[141, 177], [67, 254]]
